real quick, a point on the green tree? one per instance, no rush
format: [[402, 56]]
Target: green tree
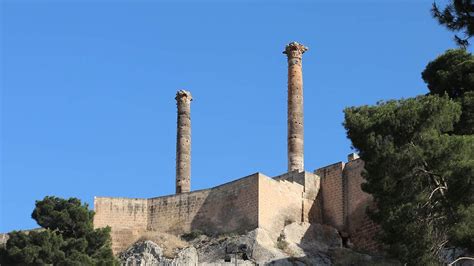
[[68, 237], [69, 217], [457, 16], [419, 173], [419, 161], [37, 247], [452, 73]]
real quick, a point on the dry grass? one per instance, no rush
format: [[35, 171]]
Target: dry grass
[[169, 243]]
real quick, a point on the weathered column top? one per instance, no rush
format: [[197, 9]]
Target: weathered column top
[[295, 50], [183, 93]]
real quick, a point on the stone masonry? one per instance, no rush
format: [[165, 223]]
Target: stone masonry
[[330, 195], [255, 201], [294, 52], [183, 142]]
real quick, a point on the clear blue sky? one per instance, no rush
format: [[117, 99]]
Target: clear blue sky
[[88, 89]]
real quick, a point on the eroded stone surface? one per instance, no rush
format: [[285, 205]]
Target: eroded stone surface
[[294, 52], [145, 253], [183, 142], [298, 244]]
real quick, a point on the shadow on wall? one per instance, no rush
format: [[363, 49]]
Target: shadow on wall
[[342, 204], [316, 211], [228, 209], [362, 230], [231, 207]]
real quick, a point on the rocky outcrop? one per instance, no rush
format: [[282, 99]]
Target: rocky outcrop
[[297, 244], [145, 253]]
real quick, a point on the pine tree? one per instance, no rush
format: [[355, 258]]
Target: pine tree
[[419, 162], [67, 237]]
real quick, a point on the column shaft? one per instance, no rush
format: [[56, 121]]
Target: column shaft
[[294, 52], [183, 142]]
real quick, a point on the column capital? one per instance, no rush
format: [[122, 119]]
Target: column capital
[[183, 94], [294, 49]]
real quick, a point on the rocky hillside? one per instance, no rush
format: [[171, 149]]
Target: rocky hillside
[[297, 244]]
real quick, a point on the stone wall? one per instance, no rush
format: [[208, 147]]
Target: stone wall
[[359, 226], [231, 207], [332, 194], [344, 204], [363, 234], [311, 209], [280, 203], [127, 218]]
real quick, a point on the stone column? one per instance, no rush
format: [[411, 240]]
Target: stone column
[[294, 52], [183, 142]]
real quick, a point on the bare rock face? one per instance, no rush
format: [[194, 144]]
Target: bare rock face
[[146, 253], [297, 244]]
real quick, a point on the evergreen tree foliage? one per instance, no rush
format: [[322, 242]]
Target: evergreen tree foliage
[[69, 217], [420, 175], [419, 162], [457, 16], [67, 237], [37, 247], [452, 73]]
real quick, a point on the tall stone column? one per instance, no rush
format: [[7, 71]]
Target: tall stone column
[[183, 142], [294, 52]]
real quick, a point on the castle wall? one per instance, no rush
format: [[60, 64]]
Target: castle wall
[[332, 194], [344, 204], [175, 213], [332, 197], [361, 228], [280, 203], [127, 218], [232, 207], [311, 207], [357, 200]]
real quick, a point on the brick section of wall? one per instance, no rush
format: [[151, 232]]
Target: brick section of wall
[[232, 207], [363, 235], [359, 226], [280, 201], [331, 195], [357, 200]]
